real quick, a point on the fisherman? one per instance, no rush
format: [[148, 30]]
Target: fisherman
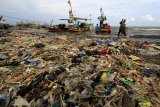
[[97, 29], [122, 28]]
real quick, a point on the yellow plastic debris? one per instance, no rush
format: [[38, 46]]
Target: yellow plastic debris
[[134, 58], [122, 40], [104, 75], [157, 47], [145, 104], [113, 43]]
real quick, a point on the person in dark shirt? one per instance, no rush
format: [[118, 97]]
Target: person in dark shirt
[[97, 29], [122, 28]]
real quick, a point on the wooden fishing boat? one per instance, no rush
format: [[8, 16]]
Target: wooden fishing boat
[[104, 27]]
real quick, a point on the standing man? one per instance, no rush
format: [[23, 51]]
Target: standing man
[[97, 29], [122, 28]]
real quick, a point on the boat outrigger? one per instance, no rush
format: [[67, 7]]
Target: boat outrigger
[[75, 24], [104, 27]]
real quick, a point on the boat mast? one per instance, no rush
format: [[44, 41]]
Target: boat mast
[[102, 18], [102, 13], [71, 17]]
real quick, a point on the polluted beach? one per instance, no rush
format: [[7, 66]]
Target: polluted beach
[[79, 54]]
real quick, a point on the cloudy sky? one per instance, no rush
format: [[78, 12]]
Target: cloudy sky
[[137, 12]]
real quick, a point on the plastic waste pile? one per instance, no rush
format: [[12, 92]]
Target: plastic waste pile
[[63, 71]]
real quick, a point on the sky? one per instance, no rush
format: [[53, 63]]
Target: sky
[[137, 12]]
